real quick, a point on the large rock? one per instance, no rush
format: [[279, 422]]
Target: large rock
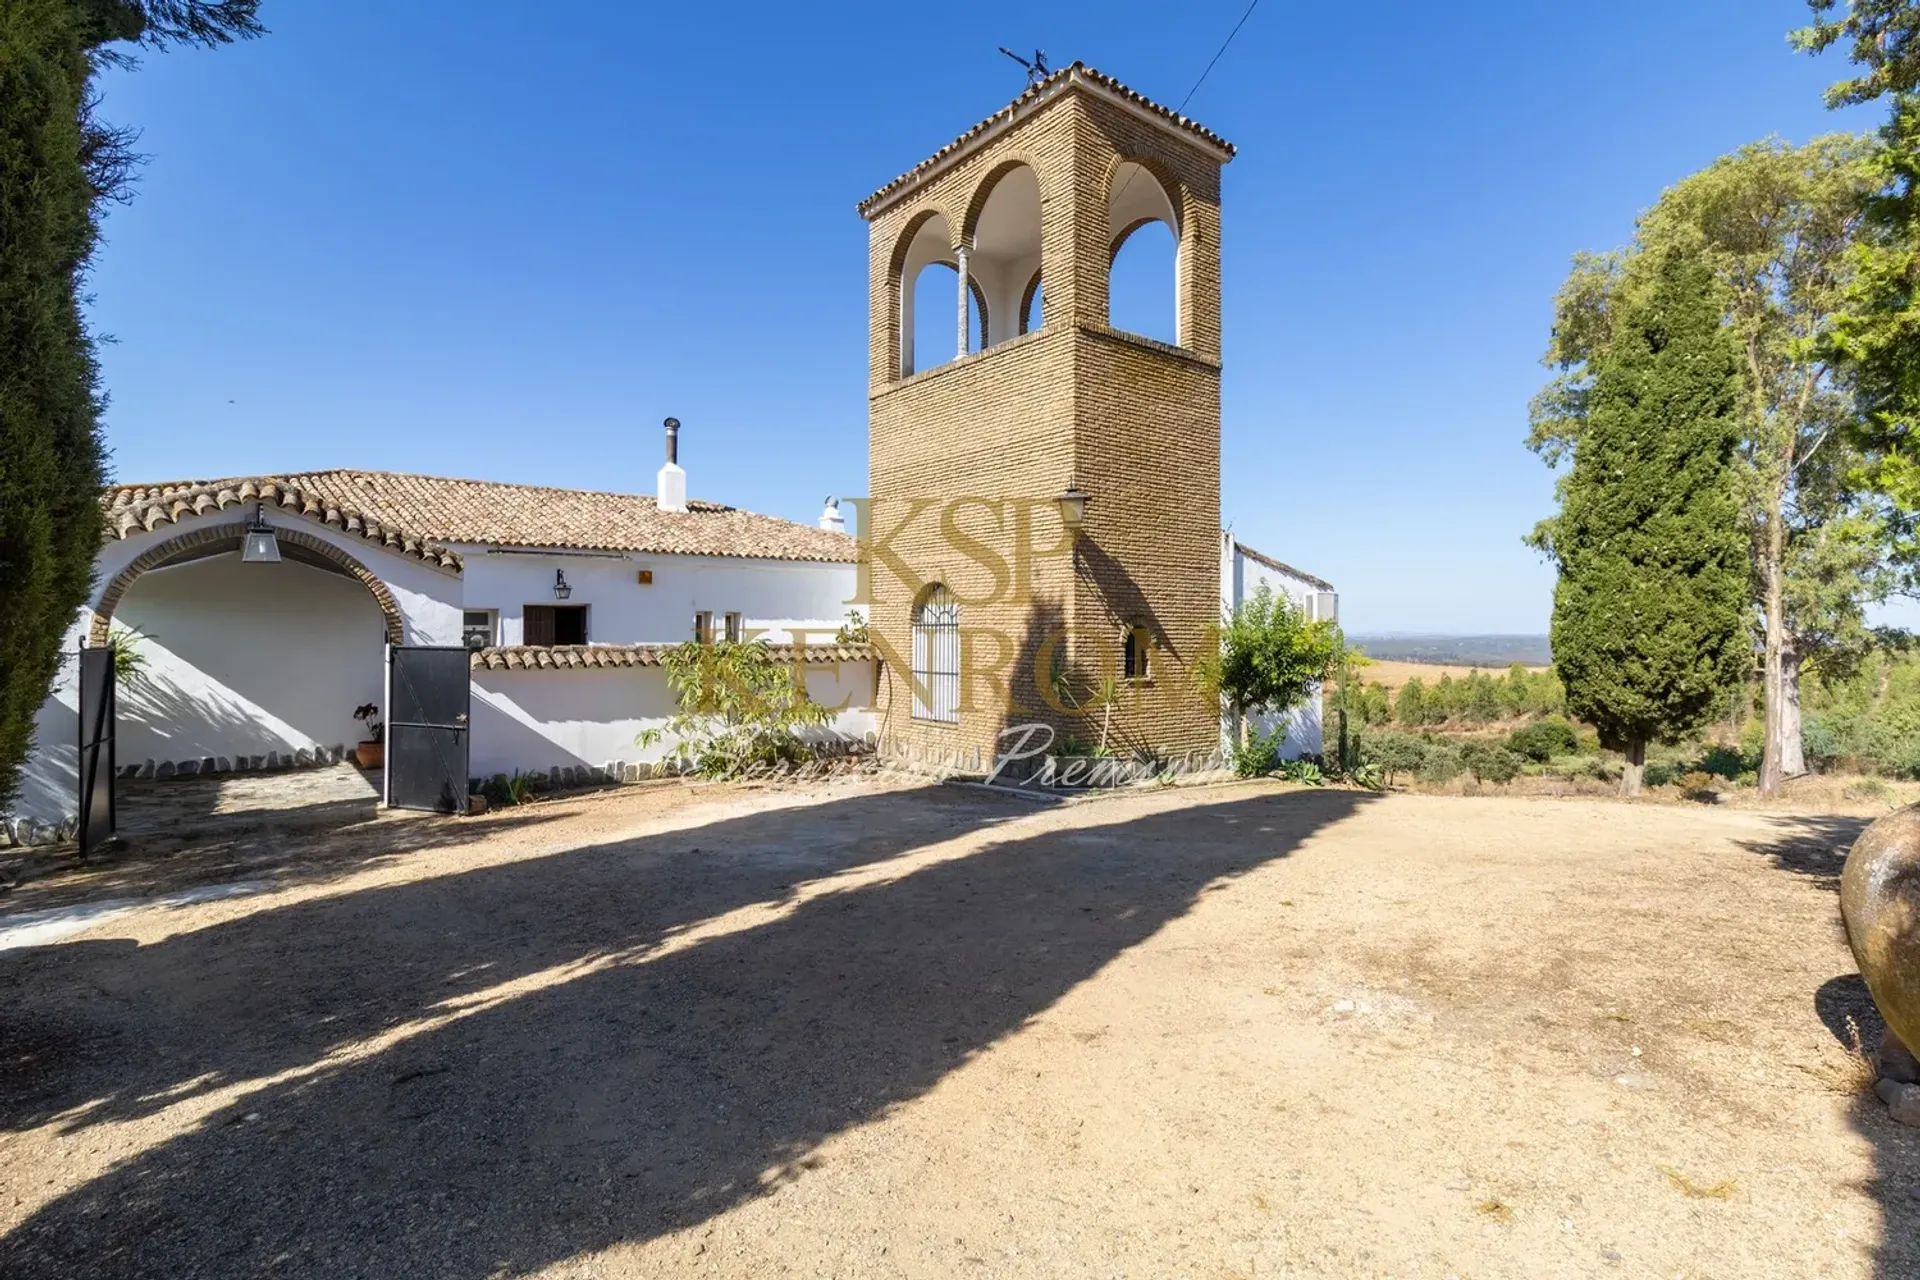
[[1880, 900]]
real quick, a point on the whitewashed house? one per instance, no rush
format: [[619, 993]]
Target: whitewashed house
[[1243, 571], [563, 596]]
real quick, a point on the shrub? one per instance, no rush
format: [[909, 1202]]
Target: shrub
[[1542, 740], [1442, 763], [1820, 739], [1395, 753], [1659, 775], [1726, 762], [1255, 757], [741, 709], [1489, 761]]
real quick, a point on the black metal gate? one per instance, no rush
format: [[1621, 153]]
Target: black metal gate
[[429, 699], [97, 764]]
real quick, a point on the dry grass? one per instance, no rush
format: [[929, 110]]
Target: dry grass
[[1850, 1069], [1698, 1191]]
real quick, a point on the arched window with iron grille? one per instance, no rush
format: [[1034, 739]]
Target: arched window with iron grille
[[936, 656]]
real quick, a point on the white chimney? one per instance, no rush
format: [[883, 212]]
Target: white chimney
[[670, 492], [831, 519]]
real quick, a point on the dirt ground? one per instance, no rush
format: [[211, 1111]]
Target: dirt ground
[[868, 1029]]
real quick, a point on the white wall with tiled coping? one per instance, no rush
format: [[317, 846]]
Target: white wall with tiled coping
[[244, 660], [1241, 577], [774, 596]]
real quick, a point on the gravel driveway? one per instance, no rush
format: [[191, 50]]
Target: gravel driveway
[[874, 1030]]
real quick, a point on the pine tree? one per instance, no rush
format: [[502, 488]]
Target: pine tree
[[1648, 614]]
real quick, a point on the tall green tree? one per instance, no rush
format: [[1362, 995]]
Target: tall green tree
[[1775, 226], [1882, 38], [1876, 336], [58, 164], [1649, 623]]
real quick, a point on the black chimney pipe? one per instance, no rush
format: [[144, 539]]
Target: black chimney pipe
[[673, 440]]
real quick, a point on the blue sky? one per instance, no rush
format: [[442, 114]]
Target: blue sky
[[447, 238]]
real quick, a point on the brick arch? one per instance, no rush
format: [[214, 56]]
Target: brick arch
[[154, 557], [897, 282], [1185, 231], [910, 229], [1176, 191], [982, 190]]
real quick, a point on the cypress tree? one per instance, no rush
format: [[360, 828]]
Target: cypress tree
[[57, 163], [50, 457], [1649, 627]]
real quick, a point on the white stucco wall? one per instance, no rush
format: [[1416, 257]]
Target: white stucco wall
[[534, 721], [246, 659], [775, 596], [1241, 576]]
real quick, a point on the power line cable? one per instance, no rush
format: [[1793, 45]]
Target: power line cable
[[1182, 108]]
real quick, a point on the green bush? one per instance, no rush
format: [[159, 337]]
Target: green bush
[[741, 709], [1394, 753], [1442, 763], [1542, 740], [1489, 761], [1255, 757], [1725, 762], [1659, 775]]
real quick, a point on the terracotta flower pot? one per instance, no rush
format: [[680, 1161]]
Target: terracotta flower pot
[[369, 755]]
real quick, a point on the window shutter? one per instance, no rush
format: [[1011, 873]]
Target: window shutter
[[537, 625]]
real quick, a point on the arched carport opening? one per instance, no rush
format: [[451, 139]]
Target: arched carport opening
[[238, 660], [1144, 249]]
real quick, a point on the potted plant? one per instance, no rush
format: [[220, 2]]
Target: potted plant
[[369, 753]]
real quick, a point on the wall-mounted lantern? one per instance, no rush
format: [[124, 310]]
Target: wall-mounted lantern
[[260, 546], [561, 590], [1073, 508]]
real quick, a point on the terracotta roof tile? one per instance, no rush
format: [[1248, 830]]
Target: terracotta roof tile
[[421, 515], [1075, 73], [587, 657], [1319, 583]]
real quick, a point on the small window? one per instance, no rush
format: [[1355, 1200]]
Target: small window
[[734, 628], [703, 627], [551, 624], [1135, 657], [477, 628], [936, 656]]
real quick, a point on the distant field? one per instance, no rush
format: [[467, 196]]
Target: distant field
[[1395, 674], [1486, 652]]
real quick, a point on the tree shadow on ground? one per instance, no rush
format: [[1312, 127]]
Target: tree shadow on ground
[[621, 1089], [1811, 845], [1846, 1007]]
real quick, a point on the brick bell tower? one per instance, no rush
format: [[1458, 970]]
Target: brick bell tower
[[990, 610]]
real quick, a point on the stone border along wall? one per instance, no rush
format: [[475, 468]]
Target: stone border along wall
[[298, 758]]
